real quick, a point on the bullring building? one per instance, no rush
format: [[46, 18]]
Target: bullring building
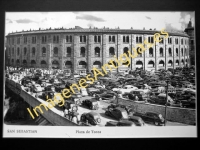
[[78, 49]]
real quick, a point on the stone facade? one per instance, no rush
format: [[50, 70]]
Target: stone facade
[[93, 47]]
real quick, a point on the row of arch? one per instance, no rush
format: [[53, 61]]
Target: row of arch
[[161, 63], [97, 51], [97, 64]]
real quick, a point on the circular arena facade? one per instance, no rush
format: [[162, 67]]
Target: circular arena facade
[[81, 49]]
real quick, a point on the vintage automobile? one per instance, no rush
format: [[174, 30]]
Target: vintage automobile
[[83, 91], [73, 100], [37, 88], [41, 82], [160, 99], [93, 92], [106, 96], [151, 117], [126, 89], [128, 108], [59, 87], [49, 88], [137, 120], [91, 103], [117, 113], [140, 93], [120, 123], [92, 118], [190, 103], [48, 94]]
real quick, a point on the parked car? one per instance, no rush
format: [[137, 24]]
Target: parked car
[[160, 99], [108, 96], [91, 103], [152, 117], [188, 103], [128, 109], [126, 89], [48, 94], [92, 118], [117, 113], [37, 88], [73, 100], [98, 91], [84, 92], [137, 120], [120, 123]]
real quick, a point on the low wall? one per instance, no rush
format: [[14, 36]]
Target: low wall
[[175, 114], [50, 115]]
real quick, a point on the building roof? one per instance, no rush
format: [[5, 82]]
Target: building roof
[[189, 28], [104, 30]]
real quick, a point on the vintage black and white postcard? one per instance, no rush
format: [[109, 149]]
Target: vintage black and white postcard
[[101, 74]]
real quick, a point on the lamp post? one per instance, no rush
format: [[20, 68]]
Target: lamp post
[[166, 101]]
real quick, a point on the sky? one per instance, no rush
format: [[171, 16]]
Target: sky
[[18, 21]]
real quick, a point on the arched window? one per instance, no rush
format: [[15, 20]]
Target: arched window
[[109, 38], [43, 51], [97, 64], [68, 64], [82, 53], [127, 39], [33, 63], [151, 64], [161, 52], [124, 39], [111, 51], [55, 52], [170, 63], [113, 38], [97, 52], [170, 52], [18, 51], [82, 64], [151, 52], [55, 64], [33, 51], [182, 62], [25, 50], [126, 64], [161, 63], [43, 64], [114, 63], [177, 62], [95, 38], [24, 62], [177, 51], [139, 64], [54, 38], [139, 52], [17, 62], [68, 52], [12, 61], [126, 51]]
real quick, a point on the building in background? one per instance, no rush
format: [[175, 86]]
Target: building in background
[[190, 31], [80, 50]]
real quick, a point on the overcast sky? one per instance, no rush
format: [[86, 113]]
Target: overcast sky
[[18, 21]]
